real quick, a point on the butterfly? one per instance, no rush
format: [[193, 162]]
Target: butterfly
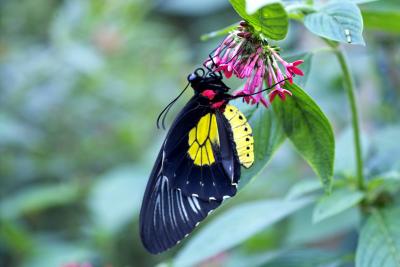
[[198, 165]]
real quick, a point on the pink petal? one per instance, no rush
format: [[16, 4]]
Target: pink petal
[[272, 95], [282, 95], [264, 102], [227, 73], [287, 92], [297, 71], [297, 62]]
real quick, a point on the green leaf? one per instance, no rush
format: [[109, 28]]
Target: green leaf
[[253, 5], [382, 20], [337, 21], [55, 252], [382, 16], [379, 241], [235, 226], [268, 137], [385, 182], [337, 202], [358, 2], [16, 238], [302, 188], [243, 259], [271, 20], [306, 258], [301, 229], [217, 33], [107, 200], [309, 130], [384, 148], [387, 176], [345, 162], [38, 198]]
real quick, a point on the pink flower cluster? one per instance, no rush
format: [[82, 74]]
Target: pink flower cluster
[[243, 55]]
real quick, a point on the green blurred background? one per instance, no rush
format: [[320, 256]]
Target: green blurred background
[[81, 85]]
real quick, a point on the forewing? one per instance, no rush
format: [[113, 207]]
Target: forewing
[[185, 186], [197, 150]]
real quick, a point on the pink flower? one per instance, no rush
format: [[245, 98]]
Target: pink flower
[[243, 93], [244, 55], [226, 69], [275, 78], [291, 68], [280, 92]]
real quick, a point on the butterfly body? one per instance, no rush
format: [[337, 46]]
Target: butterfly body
[[198, 165]]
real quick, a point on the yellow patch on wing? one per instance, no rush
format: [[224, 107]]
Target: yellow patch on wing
[[242, 135], [201, 139]]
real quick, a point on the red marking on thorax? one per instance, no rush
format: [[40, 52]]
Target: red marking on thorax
[[218, 105], [210, 94]]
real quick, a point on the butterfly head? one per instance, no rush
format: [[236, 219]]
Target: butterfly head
[[209, 86], [196, 77]]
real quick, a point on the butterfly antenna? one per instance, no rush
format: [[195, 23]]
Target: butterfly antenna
[[165, 116], [213, 65], [165, 111], [210, 69]]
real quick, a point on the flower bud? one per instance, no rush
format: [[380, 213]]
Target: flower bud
[[243, 23], [247, 35]]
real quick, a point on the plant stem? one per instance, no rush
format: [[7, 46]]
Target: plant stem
[[350, 88]]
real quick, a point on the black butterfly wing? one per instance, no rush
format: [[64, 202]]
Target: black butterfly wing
[[180, 192], [167, 216], [204, 180]]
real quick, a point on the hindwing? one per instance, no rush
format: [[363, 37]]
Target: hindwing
[[242, 135]]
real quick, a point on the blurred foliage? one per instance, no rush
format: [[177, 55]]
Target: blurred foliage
[[81, 84]]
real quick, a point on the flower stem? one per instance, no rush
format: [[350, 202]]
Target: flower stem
[[350, 88]]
